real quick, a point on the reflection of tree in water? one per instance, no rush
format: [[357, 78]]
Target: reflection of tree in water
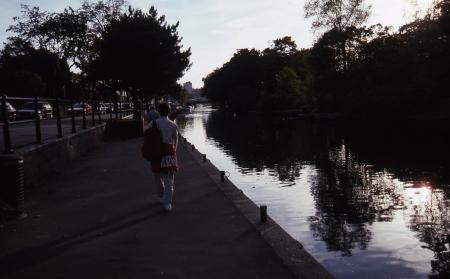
[[416, 153], [411, 150], [429, 213], [349, 196], [279, 145], [360, 180]]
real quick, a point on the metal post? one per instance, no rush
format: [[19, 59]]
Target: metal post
[[222, 176], [83, 111], [6, 131], [99, 113], [74, 129], [204, 158], [93, 113], [120, 107], [263, 213], [38, 121], [193, 147], [58, 119], [116, 109], [110, 105]]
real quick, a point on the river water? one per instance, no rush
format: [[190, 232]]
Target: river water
[[367, 200]]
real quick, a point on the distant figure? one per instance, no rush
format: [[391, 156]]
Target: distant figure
[[152, 114], [165, 168]]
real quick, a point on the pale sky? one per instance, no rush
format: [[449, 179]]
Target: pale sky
[[215, 29]]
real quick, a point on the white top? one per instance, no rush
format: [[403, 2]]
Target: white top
[[168, 128]]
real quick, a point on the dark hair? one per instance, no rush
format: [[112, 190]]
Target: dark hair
[[164, 109]]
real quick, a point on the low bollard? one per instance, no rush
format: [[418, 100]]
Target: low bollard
[[193, 147], [12, 189], [222, 176], [263, 213], [204, 158], [185, 140]]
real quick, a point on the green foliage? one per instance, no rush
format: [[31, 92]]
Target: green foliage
[[286, 93], [105, 47], [337, 14], [249, 80], [24, 84], [23, 67], [141, 52], [71, 33], [237, 83], [370, 70], [351, 69]]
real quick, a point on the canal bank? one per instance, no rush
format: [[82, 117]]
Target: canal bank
[[100, 219]]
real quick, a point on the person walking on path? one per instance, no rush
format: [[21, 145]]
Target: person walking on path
[[152, 114], [166, 165]]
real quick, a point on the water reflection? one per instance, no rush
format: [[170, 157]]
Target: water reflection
[[366, 175]]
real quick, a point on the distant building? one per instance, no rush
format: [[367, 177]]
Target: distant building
[[188, 87], [192, 92], [195, 94]]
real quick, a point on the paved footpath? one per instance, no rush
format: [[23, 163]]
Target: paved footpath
[[100, 219]]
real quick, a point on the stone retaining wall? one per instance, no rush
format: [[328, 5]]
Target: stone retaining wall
[[41, 161]]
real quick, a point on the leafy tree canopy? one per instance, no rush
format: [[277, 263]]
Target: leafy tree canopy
[[140, 51], [337, 14]]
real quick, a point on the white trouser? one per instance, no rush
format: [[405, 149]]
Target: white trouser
[[164, 186]]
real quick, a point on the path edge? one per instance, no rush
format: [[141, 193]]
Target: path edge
[[289, 250]]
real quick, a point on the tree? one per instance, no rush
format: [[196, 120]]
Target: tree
[[22, 67], [252, 79], [337, 14], [286, 92], [71, 33], [140, 52], [238, 83], [23, 84]]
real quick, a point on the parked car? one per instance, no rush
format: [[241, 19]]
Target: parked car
[[126, 106], [101, 108], [27, 111], [10, 112], [78, 108], [109, 107]]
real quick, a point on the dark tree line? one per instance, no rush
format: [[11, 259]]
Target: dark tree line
[[351, 69], [100, 48], [274, 78]]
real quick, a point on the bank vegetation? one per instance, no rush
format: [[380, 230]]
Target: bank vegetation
[[351, 68]]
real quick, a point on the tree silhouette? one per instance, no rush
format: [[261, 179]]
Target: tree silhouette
[[337, 14], [140, 52], [25, 71]]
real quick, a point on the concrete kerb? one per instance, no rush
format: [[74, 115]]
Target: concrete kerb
[[292, 253]]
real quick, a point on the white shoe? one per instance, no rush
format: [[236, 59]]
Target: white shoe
[[168, 207]]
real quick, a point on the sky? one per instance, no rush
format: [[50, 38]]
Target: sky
[[215, 29]]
